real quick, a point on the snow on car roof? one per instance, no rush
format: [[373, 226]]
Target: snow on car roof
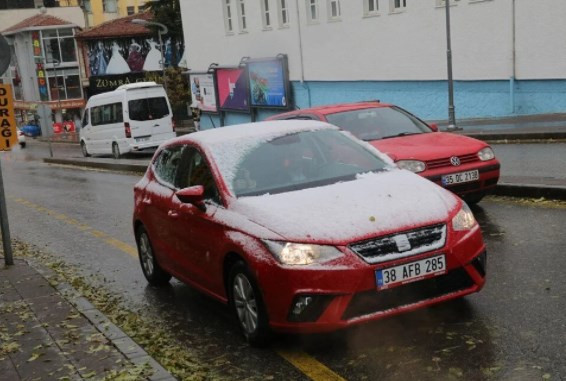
[[229, 145]]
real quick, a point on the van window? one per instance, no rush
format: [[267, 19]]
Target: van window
[[107, 114], [148, 109], [85, 118]]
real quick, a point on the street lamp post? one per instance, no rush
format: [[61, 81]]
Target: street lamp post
[[451, 108], [162, 30]]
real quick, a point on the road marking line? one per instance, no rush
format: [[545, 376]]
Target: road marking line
[[308, 365], [122, 246], [311, 367]]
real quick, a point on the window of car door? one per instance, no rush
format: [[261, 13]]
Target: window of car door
[[167, 164], [196, 171]]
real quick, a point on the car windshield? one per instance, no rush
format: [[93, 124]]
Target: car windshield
[[378, 123], [302, 160]]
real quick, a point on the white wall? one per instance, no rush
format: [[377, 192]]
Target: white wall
[[410, 45], [13, 16]]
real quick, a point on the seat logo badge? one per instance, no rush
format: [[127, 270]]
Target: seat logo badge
[[402, 242], [455, 161]]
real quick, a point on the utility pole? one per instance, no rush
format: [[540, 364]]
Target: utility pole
[[451, 108]]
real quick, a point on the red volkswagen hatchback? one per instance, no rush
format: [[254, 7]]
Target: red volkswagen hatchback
[[463, 165], [301, 227]]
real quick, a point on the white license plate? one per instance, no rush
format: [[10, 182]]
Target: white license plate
[[410, 272], [144, 139], [462, 177]]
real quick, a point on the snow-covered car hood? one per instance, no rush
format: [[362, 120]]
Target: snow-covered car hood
[[344, 212]]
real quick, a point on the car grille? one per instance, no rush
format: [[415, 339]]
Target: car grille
[[445, 162], [370, 302], [386, 248]]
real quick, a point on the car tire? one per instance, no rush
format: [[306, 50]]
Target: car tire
[[154, 274], [23, 145], [247, 304], [116, 151], [474, 198], [84, 150]]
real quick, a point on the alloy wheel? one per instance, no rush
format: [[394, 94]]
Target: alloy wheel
[[146, 254], [245, 303]]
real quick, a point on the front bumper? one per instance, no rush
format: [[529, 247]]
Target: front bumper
[[349, 293], [488, 177]]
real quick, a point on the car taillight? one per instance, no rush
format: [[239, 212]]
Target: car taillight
[[128, 130], [174, 126]]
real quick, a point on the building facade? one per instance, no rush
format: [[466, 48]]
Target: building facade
[[509, 55], [100, 11], [45, 67]]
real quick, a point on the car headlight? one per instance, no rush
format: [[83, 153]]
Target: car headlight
[[464, 220], [290, 253], [412, 165], [486, 154]]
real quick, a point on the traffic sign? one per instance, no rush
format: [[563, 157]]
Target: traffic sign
[[8, 133]]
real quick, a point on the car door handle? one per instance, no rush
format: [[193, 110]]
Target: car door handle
[[156, 125], [173, 214], [146, 201]]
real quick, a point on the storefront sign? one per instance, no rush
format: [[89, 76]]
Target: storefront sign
[[112, 82], [8, 135], [233, 89], [54, 105], [39, 69], [268, 83], [203, 92]]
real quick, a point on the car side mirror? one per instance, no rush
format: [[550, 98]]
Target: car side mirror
[[192, 195], [433, 127]]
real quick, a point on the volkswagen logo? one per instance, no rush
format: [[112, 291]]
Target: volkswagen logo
[[455, 161]]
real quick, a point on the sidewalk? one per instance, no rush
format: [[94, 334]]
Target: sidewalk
[[53, 333]]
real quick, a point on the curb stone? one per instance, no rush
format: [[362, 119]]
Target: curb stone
[[119, 339]]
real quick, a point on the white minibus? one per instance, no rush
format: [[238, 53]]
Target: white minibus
[[133, 117]]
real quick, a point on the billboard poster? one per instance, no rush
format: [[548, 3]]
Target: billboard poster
[[203, 92], [268, 83], [130, 55], [39, 69], [233, 90]]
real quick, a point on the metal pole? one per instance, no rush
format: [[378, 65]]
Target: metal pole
[[162, 59], [451, 108], [6, 241]]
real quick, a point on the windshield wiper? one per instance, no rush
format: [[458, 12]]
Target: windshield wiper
[[402, 134]]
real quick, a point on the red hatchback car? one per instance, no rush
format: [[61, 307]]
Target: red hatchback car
[[301, 227], [463, 165]]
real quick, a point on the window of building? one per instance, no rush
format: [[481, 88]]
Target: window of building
[[87, 6], [228, 19], [59, 46], [398, 5], [131, 10], [283, 12], [266, 15], [312, 11], [371, 7], [109, 6], [64, 84], [334, 11], [141, 8], [242, 15]]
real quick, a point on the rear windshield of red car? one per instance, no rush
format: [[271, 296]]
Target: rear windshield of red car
[[378, 123]]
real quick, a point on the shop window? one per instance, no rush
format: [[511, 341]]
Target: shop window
[[283, 12], [59, 46], [266, 15], [64, 84]]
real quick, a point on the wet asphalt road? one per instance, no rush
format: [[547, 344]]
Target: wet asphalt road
[[514, 329]]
